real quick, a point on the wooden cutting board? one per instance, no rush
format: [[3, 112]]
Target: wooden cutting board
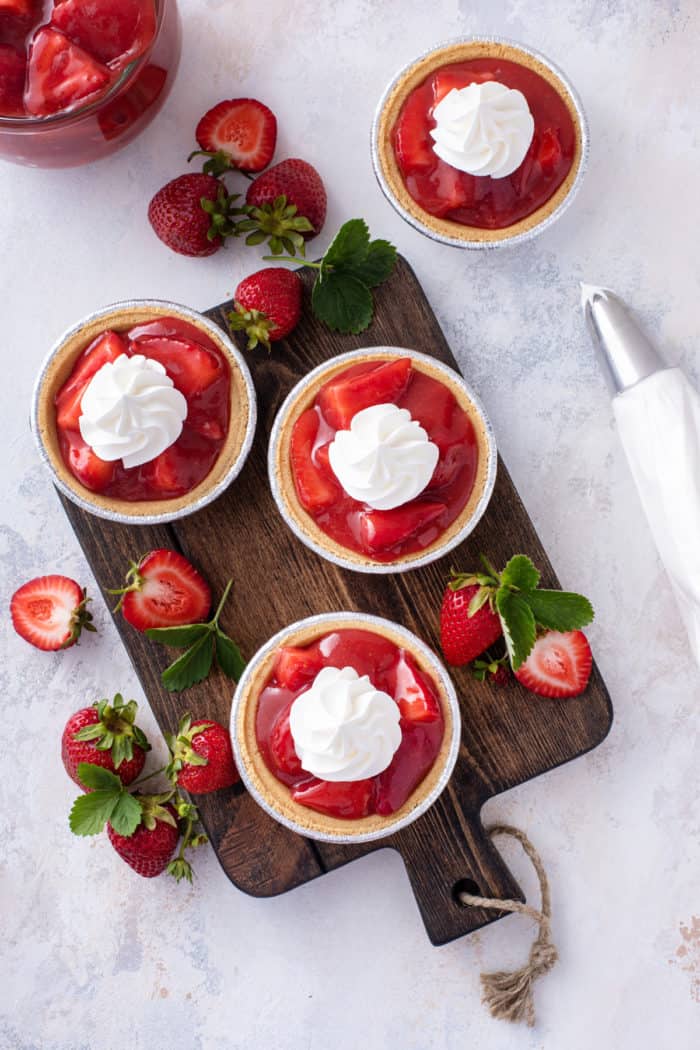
[[508, 735]]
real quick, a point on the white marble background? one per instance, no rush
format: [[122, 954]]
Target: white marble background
[[92, 956]]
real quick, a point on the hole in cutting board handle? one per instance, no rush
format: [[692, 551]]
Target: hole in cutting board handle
[[465, 886]]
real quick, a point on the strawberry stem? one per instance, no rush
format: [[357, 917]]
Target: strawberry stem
[[292, 259], [224, 596]]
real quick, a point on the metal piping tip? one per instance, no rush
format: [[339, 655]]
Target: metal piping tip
[[624, 353]]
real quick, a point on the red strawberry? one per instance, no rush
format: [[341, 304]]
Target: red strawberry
[[288, 204], [105, 735], [149, 850], [267, 305], [336, 798], [341, 399], [50, 612], [60, 74], [465, 637], [559, 665], [240, 133], [417, 701], [13, 67], [382, 530], [94, 473], [202, 757], [296, 667], [163, 590], [550, 151], [314, 489], [282, 748], [183, 222], [106, 347], [191, 367], [18, 8], [413, 144], [108, 29]]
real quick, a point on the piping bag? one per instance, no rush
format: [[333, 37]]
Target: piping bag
[[657, 410]]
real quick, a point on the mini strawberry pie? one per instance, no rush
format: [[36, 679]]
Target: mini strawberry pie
[[55, 57], [345, 727], [145, 412], [382, 460], [479, 142]]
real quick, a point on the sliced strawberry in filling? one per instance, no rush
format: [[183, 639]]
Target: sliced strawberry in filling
[[412, 141], [191, 367], [341, 399], [443, 189], [18, 8], [550, 152], [108, 29], [350, 800], [447, 78], [107, 347], [13, 68], [314, 489], [295, 668], [60, 73], [412, 760], [417, 701], [384, 530], [93, 472], [281, 745]]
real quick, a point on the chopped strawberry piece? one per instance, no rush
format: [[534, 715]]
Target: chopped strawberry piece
[[107, 347], [314, 489], [50, 612], [94, 473], [296, 667], [108, 29], [282, 750], [550, 152], [416, 699], [18, 8], [443, 189], [384, 530], [13, 68], [60, 73], [337, 799], [559, 665], [448, 78], [412, 142], [244, 129], [164, 474], [191, 367], [412, 760], [341, 399]]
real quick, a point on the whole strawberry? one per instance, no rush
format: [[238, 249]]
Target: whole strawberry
[[151, 846], [267, 305], [286, 205], [192, 213], [468, 624], [202, 757], [105, 735]]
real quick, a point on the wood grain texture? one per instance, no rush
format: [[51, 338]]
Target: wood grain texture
[[508, 735]]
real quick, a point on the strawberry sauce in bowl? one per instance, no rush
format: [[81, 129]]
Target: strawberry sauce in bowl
[[144, 412], [79, 79]]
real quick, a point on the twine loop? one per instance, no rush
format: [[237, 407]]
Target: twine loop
[[509, 995]]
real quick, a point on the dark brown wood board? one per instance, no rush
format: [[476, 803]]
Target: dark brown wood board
[[508, 736]]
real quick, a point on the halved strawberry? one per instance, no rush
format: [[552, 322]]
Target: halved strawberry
[[559, 665], [94, 473], [243, 130], [108, 29], [164, 590], [448, 77], [163, 473], [412, 141], [338, 799], [60, 73], [550, 151], [343, 398], [107, 347], [13, 68], [417, 701], [282, 748], [190, 366], [444, 189], [383, 530], [50, 612], [296, 667], [315, 491]]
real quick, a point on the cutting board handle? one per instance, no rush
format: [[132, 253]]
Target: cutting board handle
[[448, 850]]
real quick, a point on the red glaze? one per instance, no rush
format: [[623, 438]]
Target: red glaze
[[391, 534], [198, 369], [480, 200], [390, 669]]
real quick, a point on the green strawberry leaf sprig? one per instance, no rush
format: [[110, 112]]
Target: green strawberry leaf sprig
[[352, 266], [203, 643], [522, 605]]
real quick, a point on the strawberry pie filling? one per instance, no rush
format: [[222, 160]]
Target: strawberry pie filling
[[417, 730], [194, 366], [482, 200], [384, 533], [57, 56]]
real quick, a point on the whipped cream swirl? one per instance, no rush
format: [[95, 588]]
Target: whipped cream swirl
[[343, 728], [131, 411], [385, 459], [483, 129]]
